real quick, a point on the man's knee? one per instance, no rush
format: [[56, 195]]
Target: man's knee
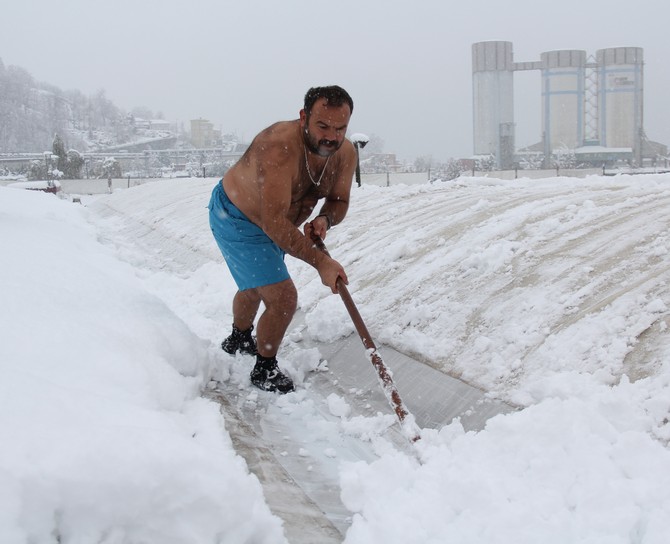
[[249, 296], [291, 299], [280, 297], [288, 299]]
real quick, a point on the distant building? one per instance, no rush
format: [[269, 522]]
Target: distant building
[[380, 162], [162, 124], [152, 124], [204, 135], [592, 106]]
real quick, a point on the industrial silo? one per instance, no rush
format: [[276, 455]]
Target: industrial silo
[[493, 100], [620, 76], [563, 74]]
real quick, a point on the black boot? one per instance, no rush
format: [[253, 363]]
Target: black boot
[[267, 376], [241, 341]]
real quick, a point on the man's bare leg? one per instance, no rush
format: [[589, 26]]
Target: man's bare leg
[[280, 301], [245, 308]]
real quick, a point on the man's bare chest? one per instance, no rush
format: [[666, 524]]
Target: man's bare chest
[[306, 188]]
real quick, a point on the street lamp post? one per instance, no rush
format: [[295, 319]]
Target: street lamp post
[[360, 141]]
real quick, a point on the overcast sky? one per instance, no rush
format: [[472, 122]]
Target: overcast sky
[[245, 64]]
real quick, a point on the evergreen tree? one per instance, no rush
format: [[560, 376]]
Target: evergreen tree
[[58, 149]]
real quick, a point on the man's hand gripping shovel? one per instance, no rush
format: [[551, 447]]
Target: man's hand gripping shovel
[[407, 423]]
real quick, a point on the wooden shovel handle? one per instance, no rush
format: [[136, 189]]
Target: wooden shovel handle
[[383, 372]]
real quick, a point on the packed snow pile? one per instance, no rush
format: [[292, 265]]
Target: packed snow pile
[[551, 295], [104, 435]]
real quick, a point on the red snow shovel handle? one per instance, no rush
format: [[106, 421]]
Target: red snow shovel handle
[[407, 424]]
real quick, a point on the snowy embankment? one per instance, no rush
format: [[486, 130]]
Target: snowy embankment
[[551, 294], [104, 435]]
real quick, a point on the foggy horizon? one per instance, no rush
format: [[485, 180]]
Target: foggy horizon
[[247, 65]]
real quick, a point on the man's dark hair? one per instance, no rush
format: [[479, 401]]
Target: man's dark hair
[[334, 95]]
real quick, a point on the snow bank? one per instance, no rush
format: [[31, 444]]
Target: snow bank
[[552, 294], [104, 435]]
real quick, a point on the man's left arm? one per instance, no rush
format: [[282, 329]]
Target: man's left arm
[[336, 204]]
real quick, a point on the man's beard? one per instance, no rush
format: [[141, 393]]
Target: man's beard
[[323, 147]]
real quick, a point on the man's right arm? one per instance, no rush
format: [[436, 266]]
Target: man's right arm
[[276, 171]]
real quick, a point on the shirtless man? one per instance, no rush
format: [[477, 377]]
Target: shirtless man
[[256, 211]]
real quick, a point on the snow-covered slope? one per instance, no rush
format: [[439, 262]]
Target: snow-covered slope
[[549, 294]]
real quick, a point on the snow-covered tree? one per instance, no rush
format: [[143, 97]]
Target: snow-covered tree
[[423, 163], [111, 168], [75, 162], [37, 170], [564, 158], [485, 163], [531, 161], [375, 145], [453, 169]]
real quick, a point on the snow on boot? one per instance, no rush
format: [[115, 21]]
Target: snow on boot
[[267, 376], [241, 341]]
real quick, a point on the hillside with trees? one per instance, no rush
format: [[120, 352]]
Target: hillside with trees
[[33, 112]]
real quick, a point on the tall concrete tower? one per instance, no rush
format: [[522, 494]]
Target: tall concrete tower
[[586, 103], [493, 100], [620, 92], [563, 102]]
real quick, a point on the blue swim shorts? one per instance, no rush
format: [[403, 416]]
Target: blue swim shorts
[[253, 258]]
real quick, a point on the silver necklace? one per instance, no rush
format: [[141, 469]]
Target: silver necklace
[[317, 183]]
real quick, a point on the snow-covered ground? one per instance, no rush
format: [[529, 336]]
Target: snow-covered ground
[[552, 295]]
